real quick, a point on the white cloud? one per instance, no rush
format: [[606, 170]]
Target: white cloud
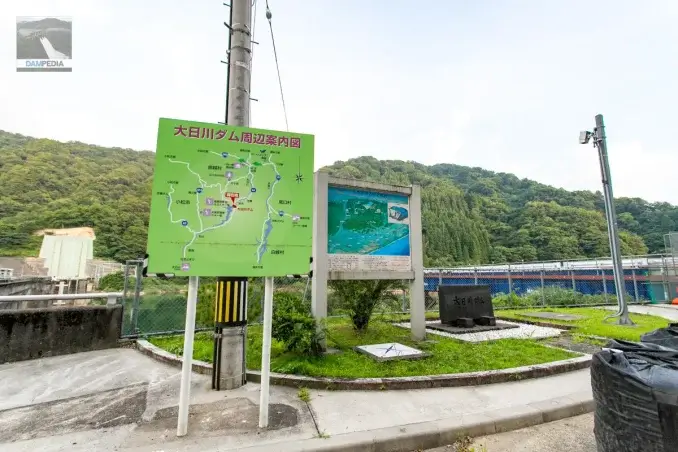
[[506, 88]]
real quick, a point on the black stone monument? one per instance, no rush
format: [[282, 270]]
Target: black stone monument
[[466, 306]]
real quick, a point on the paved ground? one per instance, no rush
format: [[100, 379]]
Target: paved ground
[[355, 411], [121, 400], [568, 435], [665, 310]]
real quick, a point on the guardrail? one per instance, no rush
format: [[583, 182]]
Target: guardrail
[[111, 297]]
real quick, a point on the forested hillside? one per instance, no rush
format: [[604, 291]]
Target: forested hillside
[[470, 215], [47, 184]]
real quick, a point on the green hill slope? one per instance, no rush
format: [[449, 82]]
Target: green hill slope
[[470, 215]]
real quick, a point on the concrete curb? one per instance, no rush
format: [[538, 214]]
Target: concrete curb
[[538, 323], [375, 384], [166, 357], [427, 435]]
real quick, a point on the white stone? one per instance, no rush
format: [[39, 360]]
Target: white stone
[[391, 350], [524, 331]]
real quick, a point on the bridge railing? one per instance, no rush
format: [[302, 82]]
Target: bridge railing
[[21, 301]]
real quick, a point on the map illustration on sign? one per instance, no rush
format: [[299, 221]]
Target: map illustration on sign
[[230, 201], [367, 230]]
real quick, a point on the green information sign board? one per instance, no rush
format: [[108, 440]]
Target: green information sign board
[[230, 201]]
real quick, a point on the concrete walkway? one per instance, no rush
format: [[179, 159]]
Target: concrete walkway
[[348, 411], [669, 312], [120, 400]]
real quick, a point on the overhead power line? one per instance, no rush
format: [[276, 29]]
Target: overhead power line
[[269, 15], [254, 29]]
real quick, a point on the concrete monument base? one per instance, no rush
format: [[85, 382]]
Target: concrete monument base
[[472, 329]]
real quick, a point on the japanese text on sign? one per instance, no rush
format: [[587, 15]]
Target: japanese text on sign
[[208, 133]]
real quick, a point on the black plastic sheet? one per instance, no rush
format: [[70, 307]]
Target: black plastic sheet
[[635, 387], [667, 337]]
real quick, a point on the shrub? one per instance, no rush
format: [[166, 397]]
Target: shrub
[[113, 282], [557, 296], [360, 298], [550, 296], [255, 297], [204, 313], [295, 326], [155, 285], [511, 301]]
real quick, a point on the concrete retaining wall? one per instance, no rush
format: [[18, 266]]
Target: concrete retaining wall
[[26, 286], [37, 333]]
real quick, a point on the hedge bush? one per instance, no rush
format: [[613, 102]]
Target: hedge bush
[[551, 296], [295, 326]]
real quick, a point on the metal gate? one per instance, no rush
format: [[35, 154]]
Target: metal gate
[[131, 296]]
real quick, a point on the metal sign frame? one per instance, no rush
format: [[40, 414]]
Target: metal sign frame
[[321, 272]]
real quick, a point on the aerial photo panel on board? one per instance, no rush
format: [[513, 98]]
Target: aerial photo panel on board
[[230, 201], [367, 230]]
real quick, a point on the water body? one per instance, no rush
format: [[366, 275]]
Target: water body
[[264, 242], [229, 211], [400, 247], [263, 245]]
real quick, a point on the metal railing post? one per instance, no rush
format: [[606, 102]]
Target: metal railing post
[[635, 284], [543, 297], [137, 292], [111, 300], [604, 285], [125, 285], [510, 282], [665, 280]]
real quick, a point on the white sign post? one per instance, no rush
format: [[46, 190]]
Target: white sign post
[[187, 362], [266, 352]]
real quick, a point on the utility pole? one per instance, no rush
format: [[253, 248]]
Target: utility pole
[[600, 142], [239, 64], [229, 366]]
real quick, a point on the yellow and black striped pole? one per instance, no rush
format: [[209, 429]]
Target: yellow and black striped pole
[[230, 310]]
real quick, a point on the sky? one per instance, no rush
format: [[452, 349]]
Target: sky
[[505, 85]]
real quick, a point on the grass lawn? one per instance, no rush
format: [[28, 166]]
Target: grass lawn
[[593, 323], [448, 355]]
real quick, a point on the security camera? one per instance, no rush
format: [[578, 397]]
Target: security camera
[[584, 137]]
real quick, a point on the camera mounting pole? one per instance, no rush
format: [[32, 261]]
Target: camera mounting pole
[[600, 142]]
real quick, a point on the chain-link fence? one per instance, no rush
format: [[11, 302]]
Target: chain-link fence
[[393, 299], [156, 306], [671, 245], [529, 285]]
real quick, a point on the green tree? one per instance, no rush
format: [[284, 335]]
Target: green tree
[[361, 298], [469, 215]]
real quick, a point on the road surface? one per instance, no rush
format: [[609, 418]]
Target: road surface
[[573, 434]]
